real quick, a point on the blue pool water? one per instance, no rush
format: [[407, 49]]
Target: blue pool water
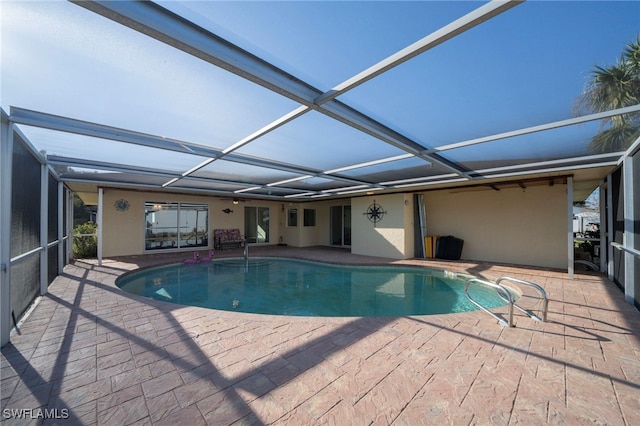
[[293, 287]]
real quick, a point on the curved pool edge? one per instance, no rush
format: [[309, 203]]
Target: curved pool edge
[[513, 286], [429, 270], [115, 267]]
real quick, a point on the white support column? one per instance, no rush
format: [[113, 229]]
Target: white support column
[[610, 234], [69, 226], [570, 251], [99, 220], [44, 227], [627, 238], [61, 210], [6, 160]]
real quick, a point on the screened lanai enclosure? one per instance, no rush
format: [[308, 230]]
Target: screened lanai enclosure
[[306, 102]]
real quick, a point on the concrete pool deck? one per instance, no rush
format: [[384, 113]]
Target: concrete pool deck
[[96, 355]]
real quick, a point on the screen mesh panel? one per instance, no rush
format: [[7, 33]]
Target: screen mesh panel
[[617, 196], [52, 265], [25, 227], [52, 229], [25, 284], [25, 200], [65, 232]]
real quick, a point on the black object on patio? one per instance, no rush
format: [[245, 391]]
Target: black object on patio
[[449, 248]]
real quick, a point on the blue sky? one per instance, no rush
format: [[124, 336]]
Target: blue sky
[[525, 67]]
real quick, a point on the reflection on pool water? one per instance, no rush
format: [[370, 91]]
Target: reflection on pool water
[[279, 286]]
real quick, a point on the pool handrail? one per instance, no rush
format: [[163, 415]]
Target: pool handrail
[[499, 288], [545, 299]]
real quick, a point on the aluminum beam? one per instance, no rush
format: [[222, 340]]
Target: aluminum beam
[[42, 120], [455, 28], [176, 189], [173, 30], [551, 170], [611, 157], [540, 128], [107, 166], [77, 162], [70, 125], [286, 167], [255, 135], [268, 128], [85, 128], [157, 22], [180, 33], [508, 171]]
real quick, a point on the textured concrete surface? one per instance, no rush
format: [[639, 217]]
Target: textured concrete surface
[[96, 355]]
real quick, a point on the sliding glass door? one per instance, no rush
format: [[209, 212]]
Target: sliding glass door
[[256, 224], [340, 225]]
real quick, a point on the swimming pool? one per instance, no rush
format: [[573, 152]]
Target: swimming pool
[[279, 286]]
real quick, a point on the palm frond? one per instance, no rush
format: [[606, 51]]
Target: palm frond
[[613, 139], [612, 87]]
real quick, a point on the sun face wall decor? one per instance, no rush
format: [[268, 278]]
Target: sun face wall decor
[[121, 205]]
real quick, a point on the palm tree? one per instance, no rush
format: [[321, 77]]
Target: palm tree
[[615, 86]]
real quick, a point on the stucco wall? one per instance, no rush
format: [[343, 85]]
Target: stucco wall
[[123, 232], [291, 234], [305, 236], [510, 226], [317, 235], [527, 227], [392, 237]]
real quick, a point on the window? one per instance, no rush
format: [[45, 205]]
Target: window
[[176, 225], [292, 217], [309, 217]]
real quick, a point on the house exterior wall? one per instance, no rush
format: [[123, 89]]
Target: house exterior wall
[[392, 236], [527, 227], [291, 234], [317, 235], [509, 226], [123, 231], [307, 236]]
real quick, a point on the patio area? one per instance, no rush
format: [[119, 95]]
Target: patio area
[[109, 357]]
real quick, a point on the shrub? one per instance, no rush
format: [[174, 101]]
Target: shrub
[[87, 246]]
